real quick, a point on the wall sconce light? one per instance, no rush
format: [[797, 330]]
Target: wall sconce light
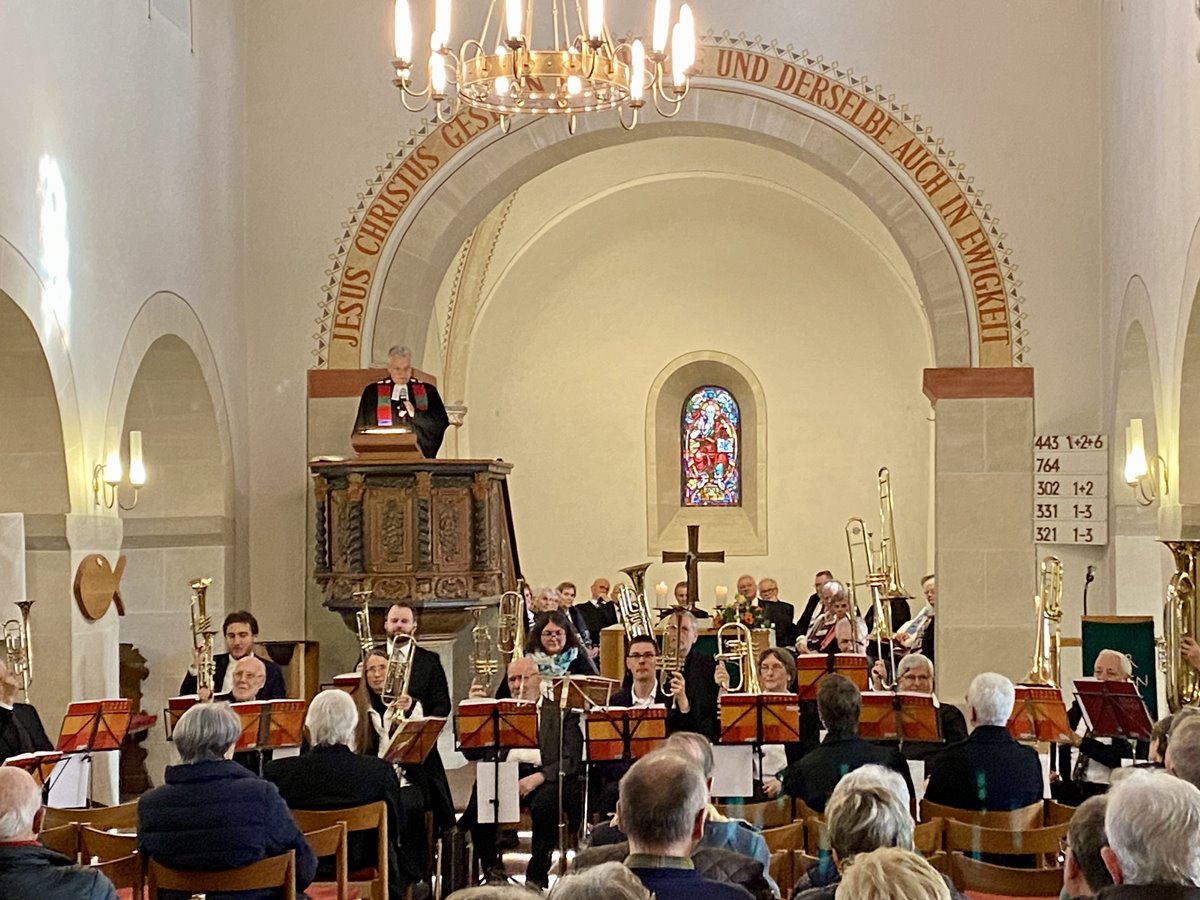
[[1142, 474], [106, 476]]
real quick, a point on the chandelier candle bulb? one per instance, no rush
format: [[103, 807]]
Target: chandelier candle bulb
[[403, 32], [512, 19], [441, 25], [112, 462], [637, 83], [660, 591], [683, 45], [662, 26], [137, 466], [1136, 466], [437, 75], [595, 19]]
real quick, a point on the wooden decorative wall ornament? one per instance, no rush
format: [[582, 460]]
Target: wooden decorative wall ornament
[[97, 585]]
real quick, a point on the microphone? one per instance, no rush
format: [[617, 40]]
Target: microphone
[[1091, 574]]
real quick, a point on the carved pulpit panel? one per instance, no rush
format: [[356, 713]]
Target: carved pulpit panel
[[452, 527], [388, 526]]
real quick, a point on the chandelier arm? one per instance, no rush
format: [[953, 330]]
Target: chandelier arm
[[632, 124], [671, 104], [406, 93]]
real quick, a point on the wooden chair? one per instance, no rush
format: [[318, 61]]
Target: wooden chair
[[102, 817], [783, 870], [928, 837], [783, 842], [124, 872], [272, 872], [802, 812], [972, 875], [1014, 820], [769, 814], [1041, 842], [1057, 813], [371, 817], [103, 845], [331, 841], [62, 839], [816, 836]]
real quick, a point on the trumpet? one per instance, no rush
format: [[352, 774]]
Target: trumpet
[[1048, 602], [739, 649], [18, 647], [399, 672], [671, 659], [484, 663], [362, 621], [202, 636], [512, 625]]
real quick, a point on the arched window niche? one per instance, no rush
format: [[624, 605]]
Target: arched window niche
[[710, 448], [739, 527]]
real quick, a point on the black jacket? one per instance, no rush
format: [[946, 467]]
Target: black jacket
[[429, 424], [806, 617], [954, 729], [338, 778], [1149, 892], [781, 614], [814, 777], [273, 688], [21, 731], [596, 617], [900, 613], [34, 872], [989, 771], [1109, 755], [215, 815], [699, 671]]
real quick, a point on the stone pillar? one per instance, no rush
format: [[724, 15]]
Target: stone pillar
[[983, 519]]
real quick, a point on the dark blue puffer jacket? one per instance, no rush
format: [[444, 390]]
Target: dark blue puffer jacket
[[217, 815], [32, 872]]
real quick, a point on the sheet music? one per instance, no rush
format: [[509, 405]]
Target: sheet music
[[1044, 759], [510, 798], [916, 769], [69, 781], [733, 770]]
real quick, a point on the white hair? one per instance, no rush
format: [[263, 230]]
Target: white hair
[[991, 696], [20, 799], [332, 719], [868, 809], [834, 590], [912, 661], [1153, 827], [1123, 661], [399, 350], [607, 881]]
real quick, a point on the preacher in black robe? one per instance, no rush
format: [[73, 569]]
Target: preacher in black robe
[[387, 403]]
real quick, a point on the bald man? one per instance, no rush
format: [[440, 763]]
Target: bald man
[[249, 677], [21, 728], [1085, 764], [27, 869]]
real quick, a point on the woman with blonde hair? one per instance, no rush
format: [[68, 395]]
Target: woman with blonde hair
[[891, 873]]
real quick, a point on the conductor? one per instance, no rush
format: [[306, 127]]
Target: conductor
[[403, 401]]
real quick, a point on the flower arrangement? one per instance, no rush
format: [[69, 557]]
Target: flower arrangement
[[748, 614]]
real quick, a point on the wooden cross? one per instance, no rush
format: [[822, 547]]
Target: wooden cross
[[691, 559]]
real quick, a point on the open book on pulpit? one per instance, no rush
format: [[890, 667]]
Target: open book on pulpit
[[900, 716], [413, 739], [619, 732], [90, 726], [270, 724], [759, 718], [483, 724], [1113, 709], [812, 667], [39, 764], [1039, 715]]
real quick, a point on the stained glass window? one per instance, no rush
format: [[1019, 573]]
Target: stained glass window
[[710, 449]]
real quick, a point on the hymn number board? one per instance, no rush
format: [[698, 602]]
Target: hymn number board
[[1070, 489]]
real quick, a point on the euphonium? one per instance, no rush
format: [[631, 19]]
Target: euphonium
[[634, 612], [362, 621], [202, 636], [637, 577], [483, 650], [18, 647], [1180, 613], [1045, 670], [512, 625], [399, 671], [739, 649]]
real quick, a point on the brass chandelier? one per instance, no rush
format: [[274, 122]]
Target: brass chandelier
[[582, 69]]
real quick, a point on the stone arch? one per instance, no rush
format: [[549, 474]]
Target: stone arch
[[423, 205], [1184, 460], [741, 530]]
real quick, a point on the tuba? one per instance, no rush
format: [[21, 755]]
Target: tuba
[[1179, 621], [362, 621], [512, 626], [1046, 670], [18, 647], [739, 649], [484, 663], [202, 636]]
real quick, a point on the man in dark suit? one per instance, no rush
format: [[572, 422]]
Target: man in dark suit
[[599, 612], [332, 776], [21, 729], [989, 771], [240, 629], [814, 776], [778, 612], [539, 774], [813, 604], [694, 688]]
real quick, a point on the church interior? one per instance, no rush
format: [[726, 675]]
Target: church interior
[[956, 239]]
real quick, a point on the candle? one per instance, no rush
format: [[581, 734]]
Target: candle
[[660, 590], [722, 594]]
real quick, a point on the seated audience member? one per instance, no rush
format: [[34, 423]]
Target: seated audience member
[[1183, 750], [29, 871], [1156, 754], [211, 814], [332, 776], [21, 728], [566, 602], [914, 675], [599, 612], [893, 874], [555, 647], [240, 629], [989, 771], [867, 810], [814, 776], [1084, 872], [495, 892], [1085, 764], [814, 601], [662, 808], [607, 881], [1152, 825]]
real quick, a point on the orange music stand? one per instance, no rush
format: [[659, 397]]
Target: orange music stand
[[486, 724], [413, 740], [39, 764], [759, 718], [1039, 715], [93, 725], [901, 717], [618, 732], [812, 667], [584, 691], [176, 707]]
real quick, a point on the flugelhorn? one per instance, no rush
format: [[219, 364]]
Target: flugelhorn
[[399, 673], [512, 626], [1045, 670], [739, 649], [202, 636], [362, 620], [484, 663], [18, 647], [670, 660], [1180, 614]]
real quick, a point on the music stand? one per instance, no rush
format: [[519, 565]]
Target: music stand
[[496, 725], [92, 726], [583, 691], [40, 764], [899, 717], [812, 667], [413, 740], [1039, 715], [614, 733], [1113, 709], [176, 707], [758, 719]]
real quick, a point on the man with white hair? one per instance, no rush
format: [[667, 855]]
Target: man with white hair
[[1153, 829], [29, 871], [914, 675], [989, 771], [403, 401]]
